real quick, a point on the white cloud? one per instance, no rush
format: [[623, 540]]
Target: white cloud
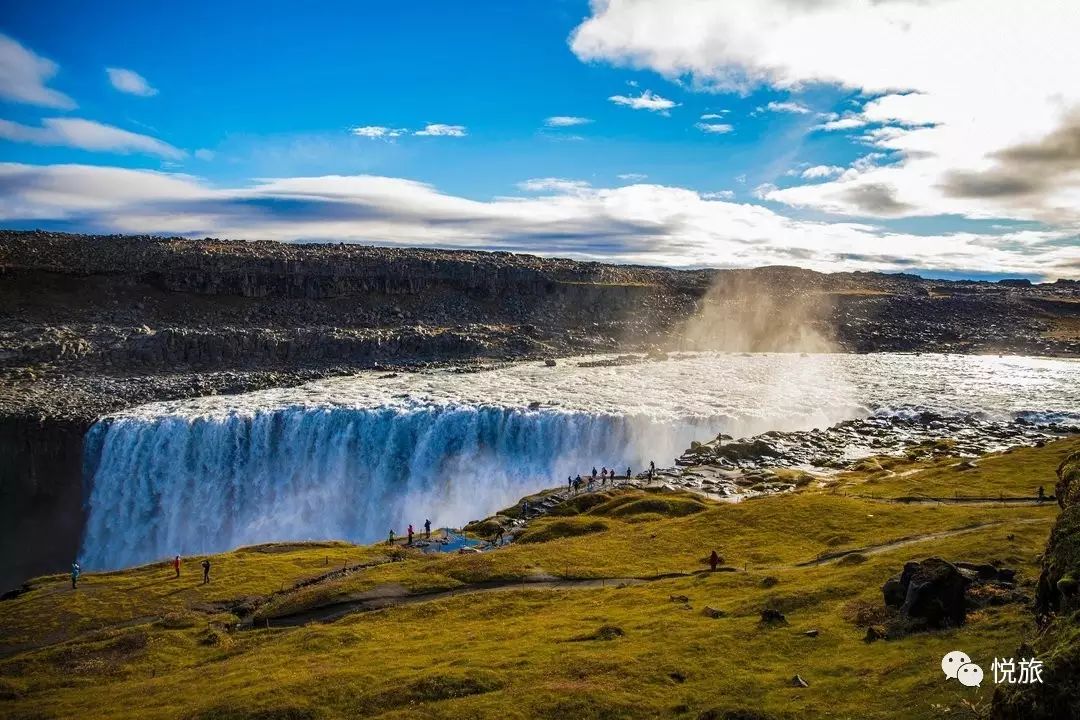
[[632, 177], [719, 195], [822, 171], [556, 185], [714, 128], [715, 116], [635, 223], [377, 131], [762, 191], [205, 154], [648, 100], [566, 121], [960, 86], [440, 130], [23, 75], [844, 123], [788, 107], [130, 82], [87, 135]]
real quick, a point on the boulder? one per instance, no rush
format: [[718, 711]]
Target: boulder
[[933, 594], [770, 616]]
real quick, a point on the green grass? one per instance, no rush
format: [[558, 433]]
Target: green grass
[[1017, 472], [139, 644]]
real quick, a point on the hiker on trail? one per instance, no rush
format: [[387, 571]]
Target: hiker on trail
[[603, 472], [75, 572], [652, 469], [176, 565], [205, 571], [410, 533], [577, 484], [594, 473], [714, 560], [390, 540], [627, 472], [1042, 493], [569, 482], [427, 529]]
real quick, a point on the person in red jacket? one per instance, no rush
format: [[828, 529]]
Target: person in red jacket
[[176, 565]]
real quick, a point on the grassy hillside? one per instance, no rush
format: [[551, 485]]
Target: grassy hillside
[[568, 622]]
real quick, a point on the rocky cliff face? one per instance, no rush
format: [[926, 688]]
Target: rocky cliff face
[[1057, 605], [40, 494]]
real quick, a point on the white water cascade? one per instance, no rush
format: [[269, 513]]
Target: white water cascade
[[176, 484], [351, 458]]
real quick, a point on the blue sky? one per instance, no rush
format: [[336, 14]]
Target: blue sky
[[688, 153]]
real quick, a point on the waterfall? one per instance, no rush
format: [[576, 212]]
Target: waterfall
[[158, 486]]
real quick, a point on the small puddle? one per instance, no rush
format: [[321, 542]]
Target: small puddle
[[449, 542]]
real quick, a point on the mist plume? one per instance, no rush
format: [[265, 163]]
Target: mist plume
[[759, 313]]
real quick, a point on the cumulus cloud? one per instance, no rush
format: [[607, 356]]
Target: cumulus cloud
[[566, 121], [648, 100], [948, 86], [87, 135], [822, 171], [714, 128], [1025, 170], [130, 82], [377, 131], [440, 130], [715, 116], [24, 75], [635, 223]]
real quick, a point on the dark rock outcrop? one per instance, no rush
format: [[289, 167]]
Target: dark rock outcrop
[[928, 595], [1057, 604]]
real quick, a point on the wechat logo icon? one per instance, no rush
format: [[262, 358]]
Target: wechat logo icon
[[958, 666]]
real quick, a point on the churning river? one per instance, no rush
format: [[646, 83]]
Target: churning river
[[352, 457]]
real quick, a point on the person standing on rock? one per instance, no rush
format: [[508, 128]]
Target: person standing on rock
[[206, 571], [390, 540], [714, 560], [652, 469], [410, 533], [176, 565], [75, 572], [577, 484], [594, 474], [427, 529], [628, 473], [569, 483]]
